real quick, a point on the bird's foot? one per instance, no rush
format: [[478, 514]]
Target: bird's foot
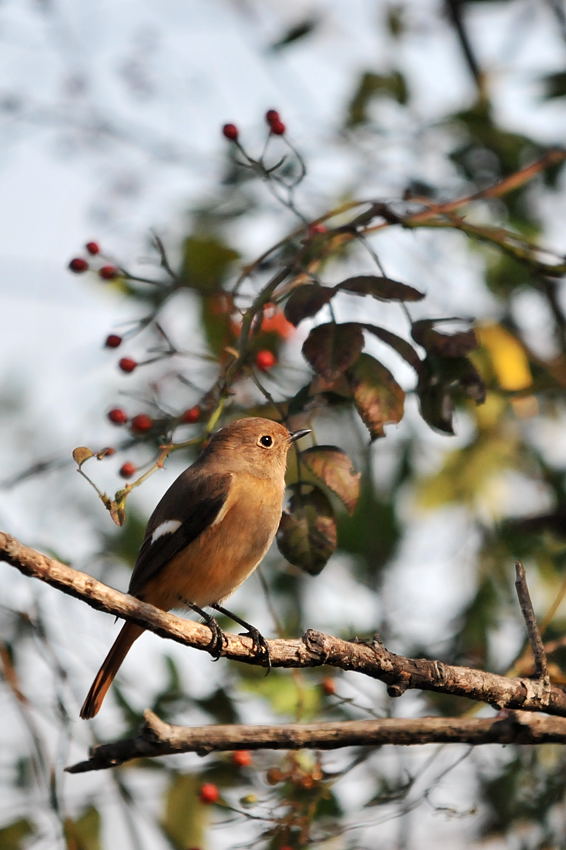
[[260, 646], [218, 639]]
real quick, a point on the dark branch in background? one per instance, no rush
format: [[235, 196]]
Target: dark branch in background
[[314, 649], [157, 738], [455, 10]]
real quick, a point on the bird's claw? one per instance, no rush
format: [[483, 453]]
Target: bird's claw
[[259, 646], [217, 641]]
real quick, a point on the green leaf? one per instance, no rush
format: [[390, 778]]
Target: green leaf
[[84, 833], [467, 474], [378, 397], [281, 691], [357, 533], [216, 322], [382, 288], [206, 262], [307, 300], [332, 348], [307, 533], [125, 543], [184, 817], [334, 468], [220, 705], [13, 835], [372, 86], [398, 344], [445, 345]]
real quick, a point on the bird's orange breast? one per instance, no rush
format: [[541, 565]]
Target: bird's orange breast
[[213, 565]]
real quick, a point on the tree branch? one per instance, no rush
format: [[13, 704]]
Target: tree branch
[[314, 649], [533, 631], [157, 738]]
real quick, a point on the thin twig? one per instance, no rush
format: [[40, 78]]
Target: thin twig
[[163, 259], [535, 639]]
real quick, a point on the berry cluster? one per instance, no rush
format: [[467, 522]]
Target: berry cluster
[[273, 120], [271, 327], [78, 265]]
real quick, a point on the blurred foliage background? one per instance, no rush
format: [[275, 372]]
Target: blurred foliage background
[[404, 104]]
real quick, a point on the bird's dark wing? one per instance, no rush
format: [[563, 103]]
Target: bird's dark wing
[[189, 506]]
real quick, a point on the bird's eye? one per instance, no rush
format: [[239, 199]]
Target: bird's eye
[[266, 441]]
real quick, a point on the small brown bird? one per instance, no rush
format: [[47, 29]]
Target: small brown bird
[[210, 530]]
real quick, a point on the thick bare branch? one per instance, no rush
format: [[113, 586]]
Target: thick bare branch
[[157, 738], [312, 650]]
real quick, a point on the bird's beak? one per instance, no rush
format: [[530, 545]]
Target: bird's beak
[[296, 435]]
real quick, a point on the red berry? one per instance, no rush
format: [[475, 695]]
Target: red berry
[[108, 272], [315, 229], [93, 248], [112, 341], [127, 469], [117, 416], [272, 115], [277, 127], [328, 685], [242, 758], [127, 364], [78, 265], [209, 793], [230, 132], [277, 324], [107, 452], [192, 414], [141, 423], [265, 359]]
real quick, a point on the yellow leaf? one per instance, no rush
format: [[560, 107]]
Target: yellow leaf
[[508, 357]]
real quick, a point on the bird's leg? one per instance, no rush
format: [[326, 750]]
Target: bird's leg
[[259, 642], [218, 638]]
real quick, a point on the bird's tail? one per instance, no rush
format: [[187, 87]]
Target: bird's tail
[[110, 666]]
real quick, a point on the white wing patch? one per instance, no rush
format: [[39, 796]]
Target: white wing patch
[[167, 527]]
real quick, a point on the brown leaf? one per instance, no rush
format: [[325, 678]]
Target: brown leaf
[[436, 406], [332, 348], [339, 386], [307, 300], [400, 345], [307, 533], [442, 382], [334, 468], [82, 453], [456, 344], [382, 288], [378, 397]]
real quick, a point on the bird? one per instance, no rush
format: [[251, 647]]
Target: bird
[[208, 533]]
